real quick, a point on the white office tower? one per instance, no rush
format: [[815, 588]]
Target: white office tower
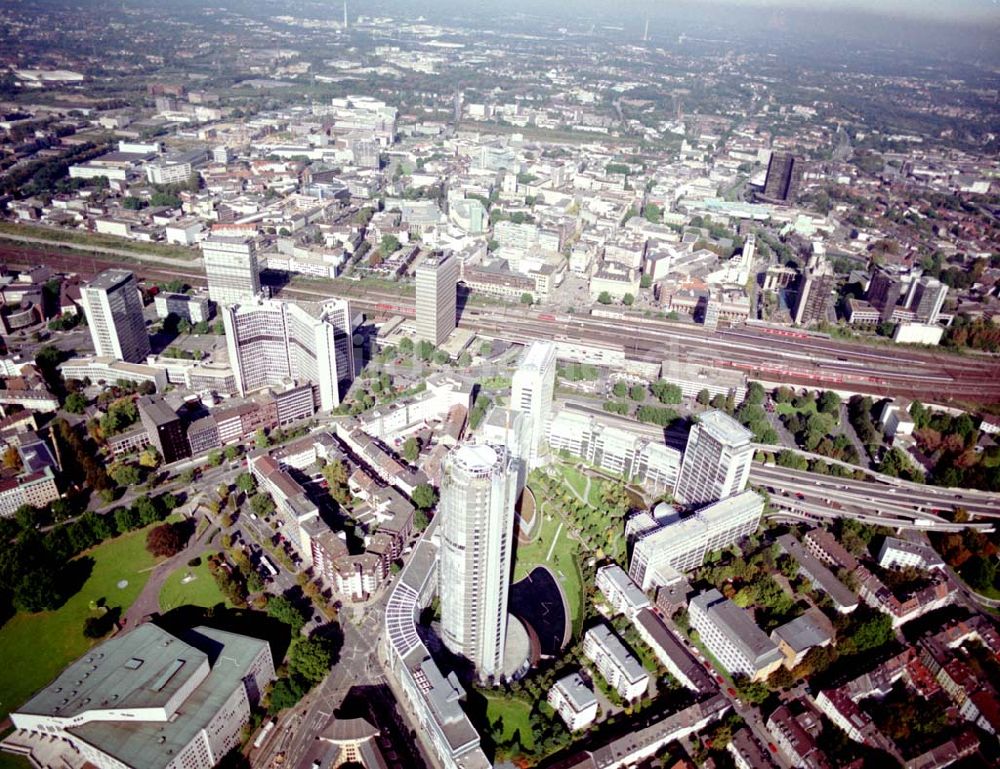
[[478, 489], [679, 545], [716, 460], [437, 298], [231, 268], [510, 429], [531, 392], [928, 295], [113, 308], [273, 343]]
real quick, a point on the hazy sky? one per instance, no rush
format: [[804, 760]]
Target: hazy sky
[[941, 9]]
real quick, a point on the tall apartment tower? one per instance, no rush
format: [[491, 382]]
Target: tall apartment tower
[[815, 293], [884, 292], [113, 308], [531, 392], [784, 175], [437, 298], [478, 490], [271, 343], [717, 460], [928, 299], [231, 268]]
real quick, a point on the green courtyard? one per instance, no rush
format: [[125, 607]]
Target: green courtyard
[[514, 714], [38, 646], [191, 586], [554, 546]]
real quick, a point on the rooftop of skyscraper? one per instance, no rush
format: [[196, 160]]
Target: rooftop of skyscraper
[[724, 428], [110, 279]]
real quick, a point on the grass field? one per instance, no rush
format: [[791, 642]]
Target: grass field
[[36, 647], [788, 408], [515, 714], [563, 563], [200, 591]]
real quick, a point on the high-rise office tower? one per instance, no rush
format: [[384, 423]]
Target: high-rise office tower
[[478, 490], [437, 298], [815, 293], [113, 308], [716, 460], [231, 268], [271, 343], [884, 292], [531, 392], [928, 299], [784, 175]]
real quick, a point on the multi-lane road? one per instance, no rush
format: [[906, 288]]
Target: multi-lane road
[[889, 502]]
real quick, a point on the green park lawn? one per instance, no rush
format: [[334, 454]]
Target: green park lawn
[[563, 562], [200, 591], [36, 647], [788, 408], [515, 713]]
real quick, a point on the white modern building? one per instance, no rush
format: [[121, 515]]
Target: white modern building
[[147, 700], [231, 268], [901, 554], [651, 462], [186, 307], [511, 429], [730, 634], [272, 343], [615, 662], [437, 298], [682, 544], [113, 307], [478, 492], [574, 701], [717, 460], [621, 593], [532, 388]]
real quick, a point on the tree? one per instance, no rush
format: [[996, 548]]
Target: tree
[[424, 496], [246, 483], [310, 660], [615, 498], [829, 403], [666, 392], [261, 441], [285, 693], [76, 403], [637, 393], [389, 245], [604, 298], [645, 281], [11, 459], [150, 457], [214, 458], [262, 505], [527, 299], [620, 389], [125, 474], [628, 300], [284, 610], [406, 346], [411, 450], [166, 540], [704, 396]]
